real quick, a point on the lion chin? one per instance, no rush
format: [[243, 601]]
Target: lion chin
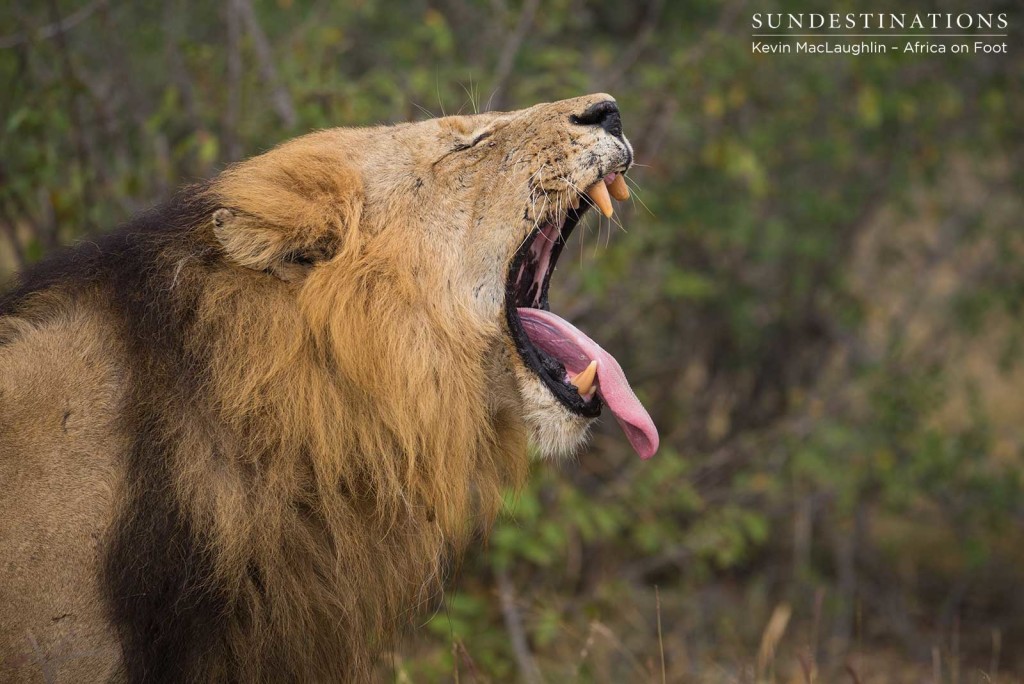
[[244, 437], [556, 432]]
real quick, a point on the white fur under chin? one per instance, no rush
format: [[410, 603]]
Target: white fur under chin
[[557, 432]]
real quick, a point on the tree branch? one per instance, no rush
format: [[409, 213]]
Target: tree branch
[[508, 53], [280, 99], [176, 66], [232, 106], [514, 624], [11, 232], [632, 53], [54, 29], [77, 130]]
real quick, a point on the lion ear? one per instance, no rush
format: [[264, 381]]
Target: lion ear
[[287, 210], [250, 242]]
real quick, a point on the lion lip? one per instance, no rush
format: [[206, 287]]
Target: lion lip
[[576, 351]]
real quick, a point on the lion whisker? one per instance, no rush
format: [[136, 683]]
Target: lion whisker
[[469, 93], [636, 194], [430, 114]]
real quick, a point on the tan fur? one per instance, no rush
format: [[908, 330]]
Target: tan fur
[[59, 392], [364, 406]]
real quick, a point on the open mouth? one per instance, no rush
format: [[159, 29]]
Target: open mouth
[[576, 370]]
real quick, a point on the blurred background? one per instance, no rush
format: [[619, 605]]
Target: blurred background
[[816, 291]]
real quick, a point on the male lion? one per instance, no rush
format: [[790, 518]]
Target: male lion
[[243, 437]]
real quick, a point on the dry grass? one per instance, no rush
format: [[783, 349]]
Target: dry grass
[[782, 651]]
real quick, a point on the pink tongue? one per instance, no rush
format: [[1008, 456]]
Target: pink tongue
[[565, 342]]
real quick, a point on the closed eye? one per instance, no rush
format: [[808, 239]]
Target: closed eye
[[459, 147]]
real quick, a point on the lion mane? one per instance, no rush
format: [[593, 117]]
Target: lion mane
[[247, 435]]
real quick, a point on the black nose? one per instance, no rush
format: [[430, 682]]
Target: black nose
[[604, 114]]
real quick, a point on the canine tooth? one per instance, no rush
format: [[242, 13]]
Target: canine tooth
[[598, 193], [584, 381], [618, 188]]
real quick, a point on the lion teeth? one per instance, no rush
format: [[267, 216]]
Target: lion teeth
[[598, 193], [618, 188], [584, 381]]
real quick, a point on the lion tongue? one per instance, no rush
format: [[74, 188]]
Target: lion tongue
[[575, 350]]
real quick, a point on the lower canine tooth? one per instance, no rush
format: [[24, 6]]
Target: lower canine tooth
[[598, 193], [584, 381], [618, 188]]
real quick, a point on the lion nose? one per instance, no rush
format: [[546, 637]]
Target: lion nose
[[604, 114]]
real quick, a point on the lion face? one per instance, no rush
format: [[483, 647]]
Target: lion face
[[466, 216]]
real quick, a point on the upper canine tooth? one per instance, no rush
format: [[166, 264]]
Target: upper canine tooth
[[618, 188], [598, 193], [584, 381]]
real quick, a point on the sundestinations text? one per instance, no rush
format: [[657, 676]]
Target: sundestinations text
[[878, 21]]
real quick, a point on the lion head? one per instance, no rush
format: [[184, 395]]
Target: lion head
[[446, 232]]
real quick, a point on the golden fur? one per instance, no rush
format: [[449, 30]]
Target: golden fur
[[295, 412]]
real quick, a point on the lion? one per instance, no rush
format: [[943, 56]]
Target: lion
[[246, 436]]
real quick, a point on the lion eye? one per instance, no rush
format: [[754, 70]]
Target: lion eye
[[459, 147]]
